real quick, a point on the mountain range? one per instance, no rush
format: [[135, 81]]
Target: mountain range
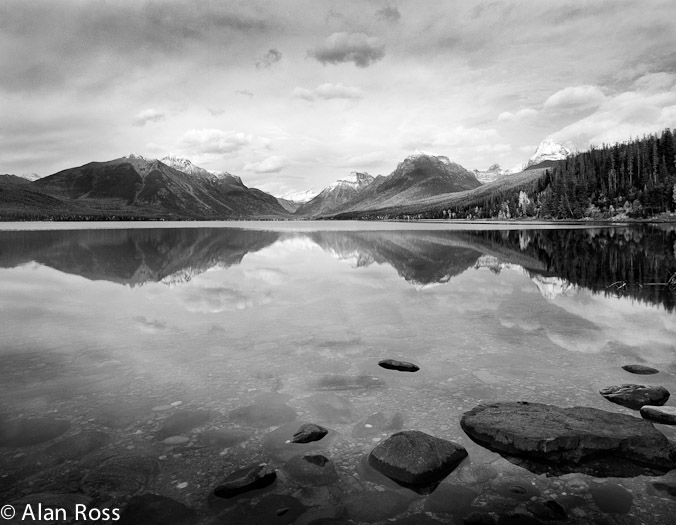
[[135, 187]]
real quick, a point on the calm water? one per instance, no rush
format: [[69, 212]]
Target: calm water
[[222, 340]]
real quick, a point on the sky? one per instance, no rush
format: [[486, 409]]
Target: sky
[[294, 94]]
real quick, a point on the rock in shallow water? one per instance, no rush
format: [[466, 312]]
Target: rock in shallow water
[[663, 415], [308, 432], [254, 478], [569, 436], [311, 470], [401, 366], [640, 369], [412, 457], [636, 396]]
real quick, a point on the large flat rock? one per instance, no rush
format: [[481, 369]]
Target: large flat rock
[[569, 436]]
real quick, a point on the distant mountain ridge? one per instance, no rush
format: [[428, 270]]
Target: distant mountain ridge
[[418, 177], [134, 184], [336, 195]]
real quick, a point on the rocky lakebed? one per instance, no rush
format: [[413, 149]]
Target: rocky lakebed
[[307, 462]]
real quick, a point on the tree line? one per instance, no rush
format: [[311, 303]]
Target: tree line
[[633, 179]]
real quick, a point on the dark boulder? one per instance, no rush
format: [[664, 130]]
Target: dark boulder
[[568, 436], [636, 396], [246, 480], [663, 415], [414, 458], [308, 432], [640, 370], [401, 366]]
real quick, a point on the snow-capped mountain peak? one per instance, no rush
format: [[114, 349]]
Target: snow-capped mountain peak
[[418, 153], [355, 180], [548, 150]]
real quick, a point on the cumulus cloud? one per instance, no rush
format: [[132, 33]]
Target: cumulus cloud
[[359, 48], [389, 14], [648, 107], [214, 141], [328, 91], [148, 115], [522, 114], [575, 98], [269, 59], [273, 164]]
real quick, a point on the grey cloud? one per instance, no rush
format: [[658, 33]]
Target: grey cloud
[[359, 48], [245, 92], [389, 14], [148, 115], [269, 59], [49, 43]]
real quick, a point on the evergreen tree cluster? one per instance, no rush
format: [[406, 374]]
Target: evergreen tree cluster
[[636, 178]]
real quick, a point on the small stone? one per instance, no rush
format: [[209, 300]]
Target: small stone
[[177, 403], [161, 408], [401, 366], [309, 432], [663, 415], [182, 485], [640, 369]]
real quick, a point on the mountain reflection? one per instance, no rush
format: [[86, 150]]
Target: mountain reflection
[[628, 262]]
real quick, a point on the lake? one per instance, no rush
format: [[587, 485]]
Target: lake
[[161, 358]]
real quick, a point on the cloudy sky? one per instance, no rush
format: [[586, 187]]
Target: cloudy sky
[[294, 94]]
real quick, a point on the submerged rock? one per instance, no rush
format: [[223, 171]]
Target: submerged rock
[[414, 458], [308, 432], [376, 424], [272, 509], [568, 436], [151, 509], [610, 497], [401, 366], [376, 506], [663, 415], [28, 432], [450, 499], [264, 415], [636, 396], [181, 422], [640, 369], [222, 438], [279, 442], [330, 408], [311, 470], [120, 476], [78, 445], [250, 479]]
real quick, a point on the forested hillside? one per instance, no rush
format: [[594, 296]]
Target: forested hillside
[[636, 179]]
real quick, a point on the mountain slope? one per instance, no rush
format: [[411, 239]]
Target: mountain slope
[[133, 184], [337, 194], [418, 177]]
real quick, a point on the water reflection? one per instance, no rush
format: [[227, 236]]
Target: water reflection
[[162, 361], [625, 262]]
